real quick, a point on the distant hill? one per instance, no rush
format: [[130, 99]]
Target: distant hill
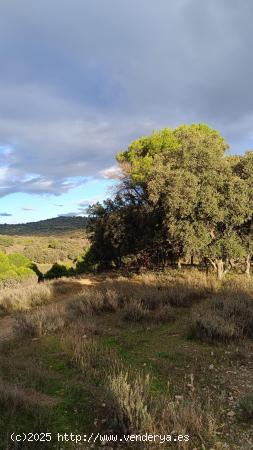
[[57, 225]]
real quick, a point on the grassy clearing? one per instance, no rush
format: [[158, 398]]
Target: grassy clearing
[[110, 366], [62, 403]]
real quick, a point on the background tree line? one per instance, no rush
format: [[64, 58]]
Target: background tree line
[[181, 196]]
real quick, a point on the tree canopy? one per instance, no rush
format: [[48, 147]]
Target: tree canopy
[[181, 195]]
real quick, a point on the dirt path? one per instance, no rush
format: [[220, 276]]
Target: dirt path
[[7, 323]]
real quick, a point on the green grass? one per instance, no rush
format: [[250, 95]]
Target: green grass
[[74, 409], [175, 362]]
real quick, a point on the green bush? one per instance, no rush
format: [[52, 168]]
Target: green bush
[[58, 271], [4, 263], [14, 267], [86, 263], [18, 260]]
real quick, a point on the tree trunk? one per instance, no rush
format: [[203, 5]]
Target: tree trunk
[[192, 260], [220, 269], [247, 266]]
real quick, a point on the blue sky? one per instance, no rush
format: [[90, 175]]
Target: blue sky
[[80, 79], [24, 207]]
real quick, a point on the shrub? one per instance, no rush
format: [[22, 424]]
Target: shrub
[[110, 300], [86, 263], [246, 407], [39, 254], [131, 398], [188, 417], [132, 405], [163, 314], [40, 322], [224, 318], [92, 301], [18, 260], [14, 267], [5, 264], [90, 356], [86, 303], [58, 271], [135, 311], [25, 297]]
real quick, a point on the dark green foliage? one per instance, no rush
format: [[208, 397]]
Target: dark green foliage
[[181, 196], [86, 263], [58, 271], [246, 407], [57, 225]]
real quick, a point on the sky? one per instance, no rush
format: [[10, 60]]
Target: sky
[[80, 79]]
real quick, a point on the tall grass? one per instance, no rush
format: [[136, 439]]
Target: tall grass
[[40, 322], [226, 317], [132, 405], [25, 297]]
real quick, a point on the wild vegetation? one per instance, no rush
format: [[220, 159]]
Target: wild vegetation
[[15, 268], [40, 256], [181, 197], [155, 339], [82, 358], [55, 226]]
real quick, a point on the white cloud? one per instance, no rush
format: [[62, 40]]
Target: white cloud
[[71, 99]]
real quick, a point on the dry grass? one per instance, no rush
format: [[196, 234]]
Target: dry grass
[[130, 399], [40, 322], [134, 311], [245, 407], [25, 297], [132, 405], [226, 317], [90, 356], [176, 289]]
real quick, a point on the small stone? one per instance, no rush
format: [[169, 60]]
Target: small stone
[[211, 367], [231, 414], [179, 397]]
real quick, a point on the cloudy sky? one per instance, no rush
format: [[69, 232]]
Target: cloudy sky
[[80, 79]]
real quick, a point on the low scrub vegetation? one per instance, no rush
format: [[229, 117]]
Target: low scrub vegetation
[[245, 406], [39, 322], [26, 297], [132, 405], [133, 306], [226, 317], [14, 268]]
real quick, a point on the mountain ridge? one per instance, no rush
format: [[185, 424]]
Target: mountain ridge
[[55, 225]]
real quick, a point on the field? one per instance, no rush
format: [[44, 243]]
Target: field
[[46, 249], [163, 353]]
